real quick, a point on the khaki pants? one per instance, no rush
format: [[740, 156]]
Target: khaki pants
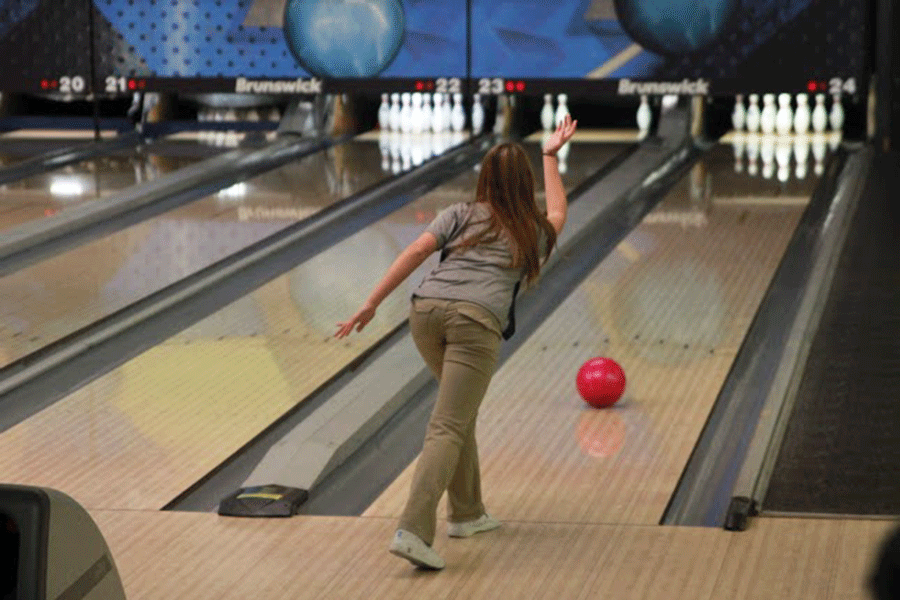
[[460, 342]]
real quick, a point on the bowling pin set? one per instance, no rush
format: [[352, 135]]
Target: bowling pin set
[[231, 137], [420, 113], [551, 118], [773, 134], [785, 118]]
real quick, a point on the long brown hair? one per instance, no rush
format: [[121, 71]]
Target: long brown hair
[[506, 184]]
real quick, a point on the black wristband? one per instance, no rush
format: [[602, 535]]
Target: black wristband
[[553, 154]]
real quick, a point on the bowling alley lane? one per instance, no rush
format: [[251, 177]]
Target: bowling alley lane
[[62, 294], [671, 303], [146, 431], [20, 145], [49, 193]]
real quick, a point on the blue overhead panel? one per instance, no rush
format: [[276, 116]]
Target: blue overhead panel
[[272, 39]]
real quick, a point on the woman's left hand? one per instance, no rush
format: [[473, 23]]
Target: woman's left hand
[[359, 320]]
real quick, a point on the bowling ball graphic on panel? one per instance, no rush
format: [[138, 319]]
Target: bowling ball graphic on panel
[[344, 38], [600, 382], [675, 27]]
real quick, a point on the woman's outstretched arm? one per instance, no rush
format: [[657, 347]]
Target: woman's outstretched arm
[[408, 261]]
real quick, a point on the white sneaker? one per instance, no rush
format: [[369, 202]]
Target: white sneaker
[[411, 547], [470, 528]]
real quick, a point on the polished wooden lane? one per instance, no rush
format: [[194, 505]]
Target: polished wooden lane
[[52, 192], [148, 430], [199, 556], [672, 304], [64, 293]]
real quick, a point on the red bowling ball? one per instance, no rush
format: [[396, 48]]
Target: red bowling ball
[[601, 382]]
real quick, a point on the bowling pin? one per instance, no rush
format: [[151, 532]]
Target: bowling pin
[[477, 115], [415, 114], [458, 116], [547, 115], [644, 117], [395, 112], [802, 115], [384, 113], [437, 115], [819, 115], [769, 114], [426, 112], [448, 113], [406, 112], [784, 119], [836, 117], [739, 114], [562, 109], [753, 114]]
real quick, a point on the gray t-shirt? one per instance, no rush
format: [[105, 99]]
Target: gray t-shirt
[[478, 274]]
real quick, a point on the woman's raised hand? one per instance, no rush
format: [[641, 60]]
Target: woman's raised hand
[[558, 138]]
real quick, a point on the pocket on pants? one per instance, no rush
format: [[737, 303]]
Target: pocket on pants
[[478, 314]]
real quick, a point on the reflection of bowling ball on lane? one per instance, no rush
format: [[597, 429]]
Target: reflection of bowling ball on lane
[[675, 27], [601, 434], [626, 435], [344, 38], [331, 286], [601, 382]]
